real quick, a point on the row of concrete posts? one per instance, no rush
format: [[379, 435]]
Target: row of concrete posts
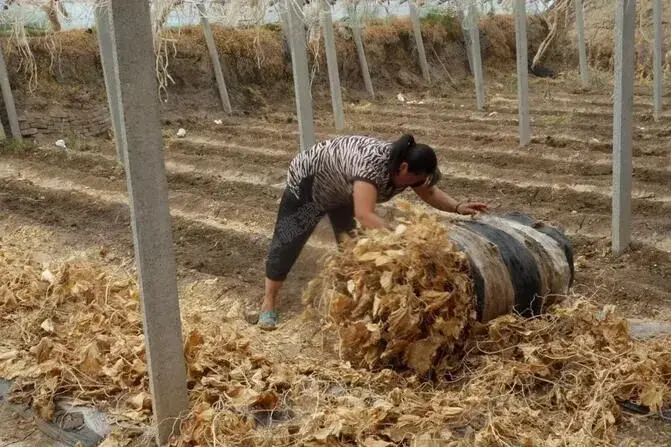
[[126, 47]]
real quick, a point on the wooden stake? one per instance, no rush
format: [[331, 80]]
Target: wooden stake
[[582, 46], [107, 49], [299, 62], [658, 59], [8, 98], [358, 41], [476, 57]]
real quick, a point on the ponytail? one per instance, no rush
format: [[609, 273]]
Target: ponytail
[[421, 159], [400, 150]]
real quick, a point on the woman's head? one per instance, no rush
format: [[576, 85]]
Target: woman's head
[[413, 164]]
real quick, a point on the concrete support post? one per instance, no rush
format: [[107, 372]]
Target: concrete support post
[[214, 56], [358, 41], [299, 62], [107, 49], [2, 132], [332, 63], [467, 38], [658, 59], [476, 57], [623, 103], [522, 71], [419, 42], [8, 99], [150, 214], [284, 21], [582, 46], [363, 63]]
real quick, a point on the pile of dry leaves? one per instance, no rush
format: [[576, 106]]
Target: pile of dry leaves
[[398, 299], [75, 333]]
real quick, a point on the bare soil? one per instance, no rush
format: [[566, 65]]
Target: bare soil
[[17, 431], [226, 180]]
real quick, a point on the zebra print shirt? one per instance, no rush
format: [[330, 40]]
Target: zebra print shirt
[[335, 164]]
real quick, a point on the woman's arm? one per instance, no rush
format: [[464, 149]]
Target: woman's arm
[[441, 201], [365, 199]]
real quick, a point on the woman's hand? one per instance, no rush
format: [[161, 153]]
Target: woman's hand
[[471, 208], [365, 199], [441, 201]]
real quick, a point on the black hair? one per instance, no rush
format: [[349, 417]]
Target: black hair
[[421, 159]]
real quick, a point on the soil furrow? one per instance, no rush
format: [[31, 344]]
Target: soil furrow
[[286, 135], [460, 171], [533, 160], [538, 102], [218, 250], [231, 185], [278, 148], [597, 125], [225, 195], [201, 244]]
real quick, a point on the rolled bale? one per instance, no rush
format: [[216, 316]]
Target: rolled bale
[[518, 264], [407, 299]]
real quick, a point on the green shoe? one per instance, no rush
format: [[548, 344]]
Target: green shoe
[[268, 320]]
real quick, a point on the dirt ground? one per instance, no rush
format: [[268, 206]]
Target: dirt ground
[[17, 431], [226, 180]]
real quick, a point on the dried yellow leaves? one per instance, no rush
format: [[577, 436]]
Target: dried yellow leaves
[[75, 332], [551, 381], [401, 298]]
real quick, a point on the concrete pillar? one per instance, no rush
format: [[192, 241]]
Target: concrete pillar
[[419, 42], [299, 62], [150, 214], [467, 38], [658, 59], [8, 99], [332, 63], [284, 21], [363, 63], [2, 132], [623, 103], [214, 56], [358, 41], [522, 71], [582, 46], [107, 49], [476, 57]]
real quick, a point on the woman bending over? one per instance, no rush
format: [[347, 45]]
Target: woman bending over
[[344, 178]]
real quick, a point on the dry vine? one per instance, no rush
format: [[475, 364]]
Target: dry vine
[[552, 18]]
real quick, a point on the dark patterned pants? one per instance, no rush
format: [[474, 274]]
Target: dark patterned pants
[[296, 220]]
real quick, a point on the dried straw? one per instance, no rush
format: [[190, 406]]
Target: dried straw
[[553, 381], [399, 299]]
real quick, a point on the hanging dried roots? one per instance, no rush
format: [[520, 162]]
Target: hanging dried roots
[[402, 299]]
